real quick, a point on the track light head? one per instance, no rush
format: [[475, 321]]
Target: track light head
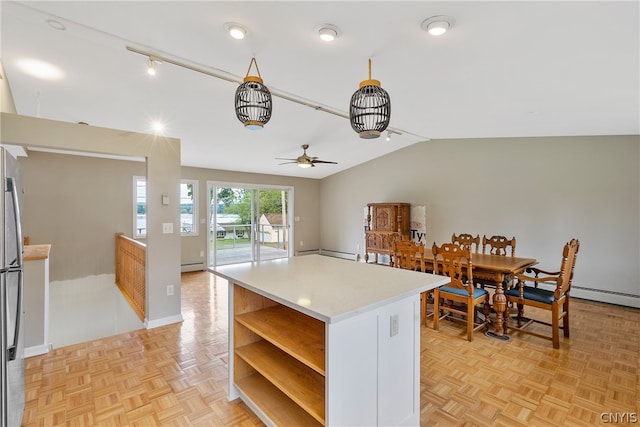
[[151, 67]]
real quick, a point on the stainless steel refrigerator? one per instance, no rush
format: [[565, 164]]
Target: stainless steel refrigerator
[[11, 262]]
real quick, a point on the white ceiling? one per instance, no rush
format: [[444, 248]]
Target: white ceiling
[[506, 69]]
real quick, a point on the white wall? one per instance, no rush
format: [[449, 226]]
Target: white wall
[[543, 191]]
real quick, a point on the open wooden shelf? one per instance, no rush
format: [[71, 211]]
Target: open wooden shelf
[[278, 407], [301, 384], [295, 333]]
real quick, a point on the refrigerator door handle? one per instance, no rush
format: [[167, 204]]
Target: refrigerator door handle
[[12, 350], [11, 186]]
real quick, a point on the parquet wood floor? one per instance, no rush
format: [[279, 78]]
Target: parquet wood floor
[[176, 375]]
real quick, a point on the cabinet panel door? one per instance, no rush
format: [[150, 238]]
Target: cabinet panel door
[[384, 218]]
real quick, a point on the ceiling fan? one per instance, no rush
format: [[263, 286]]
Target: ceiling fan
[[305, 161]]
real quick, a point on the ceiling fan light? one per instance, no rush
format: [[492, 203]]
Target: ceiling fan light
[[305, 164], [253, 102], [370, 109]]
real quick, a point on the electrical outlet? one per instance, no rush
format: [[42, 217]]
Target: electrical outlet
[[301, 243], [201, 254], [167, 227], [169, 290]]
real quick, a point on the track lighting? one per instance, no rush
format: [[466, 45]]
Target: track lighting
[[151, 67], [224, 75]]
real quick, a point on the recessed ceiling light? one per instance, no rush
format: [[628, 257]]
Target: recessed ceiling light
[[328, 32], [56, 24], [437, 25], [40, 69], [158, 127], [235, 30]]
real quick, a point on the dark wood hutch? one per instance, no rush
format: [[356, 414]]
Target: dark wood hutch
[[385, 222]]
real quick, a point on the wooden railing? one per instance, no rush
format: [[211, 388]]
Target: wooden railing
[[130, 272]]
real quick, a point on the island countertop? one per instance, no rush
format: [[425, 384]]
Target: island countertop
[[326, 288]]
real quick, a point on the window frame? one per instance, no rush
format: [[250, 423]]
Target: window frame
[[136, 234], [194, 208]]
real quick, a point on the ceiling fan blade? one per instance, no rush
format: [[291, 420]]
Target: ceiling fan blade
[[286, 163], [324, 161], [281, 158]]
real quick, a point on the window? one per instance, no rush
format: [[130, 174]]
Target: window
[[188, 207], [139, 206]]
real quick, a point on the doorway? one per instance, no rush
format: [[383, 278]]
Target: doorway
[[248, 223]]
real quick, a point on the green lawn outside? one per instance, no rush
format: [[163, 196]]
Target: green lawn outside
[[229, 243]]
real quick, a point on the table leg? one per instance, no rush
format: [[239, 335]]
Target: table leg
[[499, 306]]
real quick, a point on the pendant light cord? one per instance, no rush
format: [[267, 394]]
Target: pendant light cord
[[253, 61]]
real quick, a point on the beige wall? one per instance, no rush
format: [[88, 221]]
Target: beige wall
[[162, 155], [543, 191], [78, 203]]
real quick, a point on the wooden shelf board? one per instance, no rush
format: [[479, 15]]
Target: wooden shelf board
[[295, 380], [295, 333], [275, 405]]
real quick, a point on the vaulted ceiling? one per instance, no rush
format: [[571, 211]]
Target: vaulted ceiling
[[505, 69]]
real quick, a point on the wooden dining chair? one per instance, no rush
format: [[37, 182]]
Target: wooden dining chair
[[455, 261], [556, 300], [407, 254], [467, 241], [498, 245], [495, 245]]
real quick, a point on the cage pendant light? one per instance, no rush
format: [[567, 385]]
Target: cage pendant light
[[370, 109], [253, 100]]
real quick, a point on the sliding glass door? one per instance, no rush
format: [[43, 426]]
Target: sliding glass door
[[248, 223]]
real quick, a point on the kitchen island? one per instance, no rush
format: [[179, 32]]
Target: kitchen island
[[316, 340]]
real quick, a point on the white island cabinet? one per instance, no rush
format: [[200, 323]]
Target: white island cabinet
[[315, 340]]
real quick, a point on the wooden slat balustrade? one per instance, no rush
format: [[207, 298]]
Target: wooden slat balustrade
[[130, 272]]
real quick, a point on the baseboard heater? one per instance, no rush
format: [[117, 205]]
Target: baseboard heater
[[604, 295], [329, 252], [194, 266], [600, 295]]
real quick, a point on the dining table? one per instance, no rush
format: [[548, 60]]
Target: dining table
[[497, 269]]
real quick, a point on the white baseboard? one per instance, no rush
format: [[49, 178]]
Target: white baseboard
[[36, 350], [604, 296], [155, 323], [600, 295], [195, 266]]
